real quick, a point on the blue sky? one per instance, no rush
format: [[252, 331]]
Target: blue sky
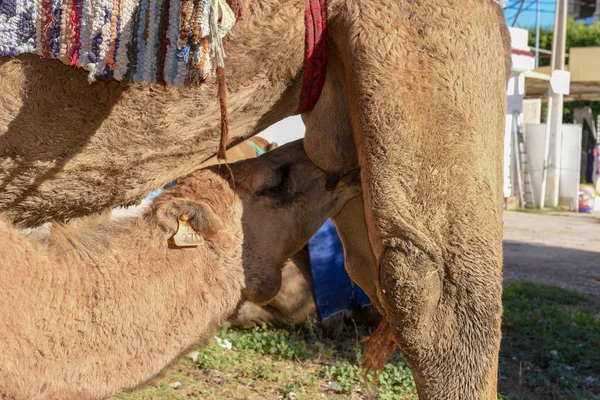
[[528, 14]]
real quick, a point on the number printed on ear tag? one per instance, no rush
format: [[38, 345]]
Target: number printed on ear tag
[[185, 236]]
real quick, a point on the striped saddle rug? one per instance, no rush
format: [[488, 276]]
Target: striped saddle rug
[[178, 42]]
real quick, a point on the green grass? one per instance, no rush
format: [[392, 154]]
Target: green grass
[[270, 363], [542, 210], [551, 345], [550, 349], [336, 361]]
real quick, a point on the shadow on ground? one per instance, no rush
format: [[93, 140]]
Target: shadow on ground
[[566, 267]]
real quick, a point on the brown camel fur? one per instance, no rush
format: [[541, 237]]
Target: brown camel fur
[[68, 148], [295, 303], [424, 98], [97, 307]]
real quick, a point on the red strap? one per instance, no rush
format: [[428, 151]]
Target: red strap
[[315, 56]]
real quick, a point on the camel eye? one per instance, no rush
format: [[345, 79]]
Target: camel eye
[[279, 187]]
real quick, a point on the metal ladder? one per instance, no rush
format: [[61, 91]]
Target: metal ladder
[[525, 188]]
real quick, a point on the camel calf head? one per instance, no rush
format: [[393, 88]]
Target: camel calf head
[[274, 202]]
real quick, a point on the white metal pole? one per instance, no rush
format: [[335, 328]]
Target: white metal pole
[[546, 153], [557, 113], [537, 33], [551, 172]]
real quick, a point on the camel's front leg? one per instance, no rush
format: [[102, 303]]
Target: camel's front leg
[[359, 260], [426, 87]]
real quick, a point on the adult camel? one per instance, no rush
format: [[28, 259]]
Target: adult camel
[[414, 94]]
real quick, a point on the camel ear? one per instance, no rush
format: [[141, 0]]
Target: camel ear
[[200, 216], [272, 146]]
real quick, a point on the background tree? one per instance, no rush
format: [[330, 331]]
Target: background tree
[[578, 35]]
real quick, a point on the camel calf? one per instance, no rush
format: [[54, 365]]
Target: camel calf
[[97, 307]]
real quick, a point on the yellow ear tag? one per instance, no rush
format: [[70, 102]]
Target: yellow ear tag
[[185, 236]]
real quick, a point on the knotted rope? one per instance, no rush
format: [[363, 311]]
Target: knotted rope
[[222, 26]]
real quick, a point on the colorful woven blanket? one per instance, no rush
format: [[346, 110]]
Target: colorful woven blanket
[[178, 42]]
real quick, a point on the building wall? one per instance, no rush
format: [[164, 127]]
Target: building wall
[[285, 131], [514, 110], [522, 60], [583, 8]]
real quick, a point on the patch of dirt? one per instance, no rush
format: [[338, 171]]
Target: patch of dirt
[[556, 249]]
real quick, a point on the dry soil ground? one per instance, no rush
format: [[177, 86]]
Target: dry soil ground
[[561, 249]]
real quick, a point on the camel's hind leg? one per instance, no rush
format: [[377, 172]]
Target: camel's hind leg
[[426, 84]]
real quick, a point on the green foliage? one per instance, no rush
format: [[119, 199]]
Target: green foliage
[[578, 35], [554, 339], [280, 343], [341, 359], [556, 209], [394, 382]]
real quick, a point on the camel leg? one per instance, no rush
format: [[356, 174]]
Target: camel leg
[[426, 91], [251, 315], [359, 259]]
